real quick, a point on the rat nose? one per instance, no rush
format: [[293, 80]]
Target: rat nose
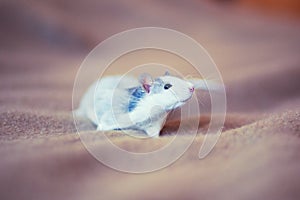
[[192, 89]]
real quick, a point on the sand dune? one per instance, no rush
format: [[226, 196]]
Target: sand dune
[[42, 46]]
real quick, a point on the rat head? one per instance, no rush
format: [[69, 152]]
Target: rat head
[[167, 91]]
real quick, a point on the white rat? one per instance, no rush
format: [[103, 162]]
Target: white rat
[[119, 103]]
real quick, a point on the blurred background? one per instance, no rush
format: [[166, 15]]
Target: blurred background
[[252, 42], [79, 25], [256, 46]]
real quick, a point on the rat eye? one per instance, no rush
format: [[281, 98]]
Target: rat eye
[[167, 86]]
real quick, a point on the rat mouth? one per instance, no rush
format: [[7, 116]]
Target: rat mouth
[[185, 100], [179, 103]]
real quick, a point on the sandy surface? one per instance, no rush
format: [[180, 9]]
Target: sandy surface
[[42, 46]]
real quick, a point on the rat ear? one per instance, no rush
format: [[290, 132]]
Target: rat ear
[[146, 81], [167, 73]]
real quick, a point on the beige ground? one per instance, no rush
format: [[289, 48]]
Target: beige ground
[[42, 157]]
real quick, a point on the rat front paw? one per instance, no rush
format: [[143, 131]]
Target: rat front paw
[[153, 132]]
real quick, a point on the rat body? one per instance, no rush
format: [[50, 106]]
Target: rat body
[[116, 103]]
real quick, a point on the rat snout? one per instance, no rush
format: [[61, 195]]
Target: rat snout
[[192, 89]]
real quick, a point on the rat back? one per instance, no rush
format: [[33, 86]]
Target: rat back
[[106, 96]]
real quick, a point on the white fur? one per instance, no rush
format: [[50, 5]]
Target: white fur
[[104, 103]]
